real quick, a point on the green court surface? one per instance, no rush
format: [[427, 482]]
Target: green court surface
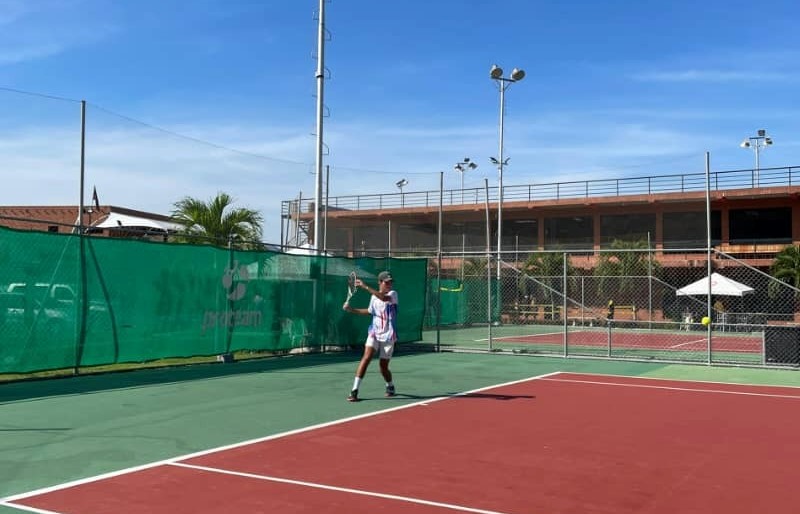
[[55, 431]]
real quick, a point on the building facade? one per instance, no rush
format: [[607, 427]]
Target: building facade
[[102, 220], [753, 215]]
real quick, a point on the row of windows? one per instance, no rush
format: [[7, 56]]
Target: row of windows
[[680, 230]]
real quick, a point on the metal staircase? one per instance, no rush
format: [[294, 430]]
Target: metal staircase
[[295, 230]]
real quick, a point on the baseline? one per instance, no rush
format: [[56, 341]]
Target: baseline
[[671, 385]]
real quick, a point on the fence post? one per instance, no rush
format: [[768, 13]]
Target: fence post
[[564, 303], [80, 300]]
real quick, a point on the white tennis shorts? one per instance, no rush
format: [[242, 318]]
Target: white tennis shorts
[[384, 350]]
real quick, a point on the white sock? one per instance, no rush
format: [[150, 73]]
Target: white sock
[[389, 384], [356, 383]]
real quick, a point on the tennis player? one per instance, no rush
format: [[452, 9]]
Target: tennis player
[[382, 333]]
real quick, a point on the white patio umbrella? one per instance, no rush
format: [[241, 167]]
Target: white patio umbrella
[[720, 285]]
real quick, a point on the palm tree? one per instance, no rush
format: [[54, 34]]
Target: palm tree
[[619, 269], [786, 268], [546, 269], [475, 267], [216, 220]]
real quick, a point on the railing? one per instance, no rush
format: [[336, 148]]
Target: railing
[[658, 184]]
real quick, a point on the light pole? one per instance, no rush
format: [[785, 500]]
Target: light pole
[[757, 143], [400, 185], [461, 168], [503, 83]]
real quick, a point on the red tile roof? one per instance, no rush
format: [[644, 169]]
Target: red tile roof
[[63, 217]]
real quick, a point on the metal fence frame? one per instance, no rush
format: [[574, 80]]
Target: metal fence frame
[[735, 337]]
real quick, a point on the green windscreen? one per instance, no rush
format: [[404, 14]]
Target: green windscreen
[[462, 302], [68, 301]]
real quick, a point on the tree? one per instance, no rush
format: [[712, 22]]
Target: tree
[[619, 271], [786, 268], [547, 270], [475, 267], [216, 220]]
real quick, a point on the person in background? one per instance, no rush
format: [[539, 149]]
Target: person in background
[[688, 319], [610, 313], [382, 333], [719, 312]]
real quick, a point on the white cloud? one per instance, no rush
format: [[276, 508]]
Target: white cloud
[[147, 170], [143, 168], [25, 52], [13, 10], [35, 30]]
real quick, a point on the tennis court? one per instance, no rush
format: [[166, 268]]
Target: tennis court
[[623, 340], [469, 433], [643, 339]]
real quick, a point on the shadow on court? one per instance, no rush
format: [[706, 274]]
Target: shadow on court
[[491, 396], [461, 396]]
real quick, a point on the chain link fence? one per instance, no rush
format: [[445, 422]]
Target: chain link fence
[[621, 303]]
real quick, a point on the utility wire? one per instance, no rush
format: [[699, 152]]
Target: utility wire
[[202, 141], [40, 95], [334, 168], [194, 139]]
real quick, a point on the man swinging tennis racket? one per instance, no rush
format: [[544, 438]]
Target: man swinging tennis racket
[[382, 332]]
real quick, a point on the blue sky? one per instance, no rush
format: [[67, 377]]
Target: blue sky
[[613, 89]]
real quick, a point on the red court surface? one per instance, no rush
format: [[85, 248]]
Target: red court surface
[[564, 443], [688, 342]]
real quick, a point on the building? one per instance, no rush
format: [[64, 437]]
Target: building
[[754, 214], [103, 220]]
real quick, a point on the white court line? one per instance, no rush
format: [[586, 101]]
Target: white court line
[[385, 496], [670, 388], [687, 342], [538, 334], [716, 382], [26, 508], [174, 460]]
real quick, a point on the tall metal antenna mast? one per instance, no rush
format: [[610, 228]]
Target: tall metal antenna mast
[[320, 114]]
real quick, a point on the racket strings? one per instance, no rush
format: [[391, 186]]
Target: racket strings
[[351, 285]]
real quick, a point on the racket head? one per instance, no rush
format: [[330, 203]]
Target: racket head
[[351, 285]]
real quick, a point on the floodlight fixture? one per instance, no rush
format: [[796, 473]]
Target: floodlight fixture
[[758, 142], [464, 166]]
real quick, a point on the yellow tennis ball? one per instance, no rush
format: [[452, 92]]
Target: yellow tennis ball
[[706, 320]]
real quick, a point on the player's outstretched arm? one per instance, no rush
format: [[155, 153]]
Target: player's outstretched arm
[[346, 307]]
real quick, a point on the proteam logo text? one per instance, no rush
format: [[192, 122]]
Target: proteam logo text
[[234, 281]]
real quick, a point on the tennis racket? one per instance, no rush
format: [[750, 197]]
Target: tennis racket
[[351, 286]]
